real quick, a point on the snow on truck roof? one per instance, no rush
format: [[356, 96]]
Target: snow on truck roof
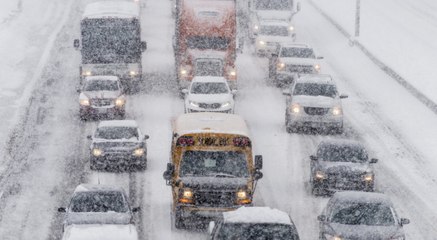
[[100, 232], [118, 123], [115, 9], [256, 215], [208, 122]]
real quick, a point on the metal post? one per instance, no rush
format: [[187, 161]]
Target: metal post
[[357, 18]]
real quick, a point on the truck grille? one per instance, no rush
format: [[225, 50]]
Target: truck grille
[[210, 105], [215, 198], [344, 181], [316, 111], [300, 68], [99, 102]]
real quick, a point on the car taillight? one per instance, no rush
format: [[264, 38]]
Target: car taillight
[[185, 141], [242, 142]]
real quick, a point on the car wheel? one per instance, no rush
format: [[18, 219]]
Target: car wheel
[[178, 220], [122, 115], [142, 166], [93, 166]]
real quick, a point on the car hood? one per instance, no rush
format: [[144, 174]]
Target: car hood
[[274, 15], [101, 94], [316, 101], [98, 218], [213, 54], [214, 183], [300, 61], [210, 98], [101, 232], [364, 232], [344, 167], [275, 39]]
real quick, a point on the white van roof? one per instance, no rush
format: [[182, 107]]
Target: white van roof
[[112, 9], [100, 232], [208, 122]]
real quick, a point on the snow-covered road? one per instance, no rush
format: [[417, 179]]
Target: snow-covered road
[[48, 155]]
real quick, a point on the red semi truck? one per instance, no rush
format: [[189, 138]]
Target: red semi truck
[[205, 40]]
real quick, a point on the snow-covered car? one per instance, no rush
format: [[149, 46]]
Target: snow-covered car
[[96, 204], [118, 143], [293, 58], [209, 94], [270, 34], [101, 96], [341, 165], [247, 223], [100, 232], [360, 216], [313, 102]]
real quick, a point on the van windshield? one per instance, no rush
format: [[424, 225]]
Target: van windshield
[[214, 163]]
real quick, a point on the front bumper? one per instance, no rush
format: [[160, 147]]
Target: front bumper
[[95, 111], [118, 160], [315, 121], [266, 49], [218, 110], [334, 185]]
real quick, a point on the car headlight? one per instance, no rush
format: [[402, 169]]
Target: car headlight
[[317, 67], [280, 65], [320, 175], [331, 237], [232, 73], [262, 43], [186, 196], [256, 27], [295, 108], [119, 102], [97, 152], [291, 28], [368, 177], [243, 197], [194, 104], [84, 102], [336, 111], [133, 73], [86, 73], [138, 152], [226, 104]]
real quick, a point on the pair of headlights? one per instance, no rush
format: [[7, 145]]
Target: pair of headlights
[[97, 152], [296, 109], [187, 196], [119, 102], [196, 104], [368, 177], [88, 73]]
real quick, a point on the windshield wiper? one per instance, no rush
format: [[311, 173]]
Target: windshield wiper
[[220, 174]]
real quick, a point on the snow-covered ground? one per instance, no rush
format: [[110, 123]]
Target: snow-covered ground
[[47, 156]]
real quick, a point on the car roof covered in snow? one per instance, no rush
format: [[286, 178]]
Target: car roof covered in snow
[[100, 232], [209, 79], [97, 188], [112, 9], [294, 45], [109, 78], [256, 215], [360, 197], [274, 22], [342, 142], [315, 78], [118, 123], [208, 122]]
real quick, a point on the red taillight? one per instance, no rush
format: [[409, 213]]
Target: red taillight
[[241, 142], [185, 141]]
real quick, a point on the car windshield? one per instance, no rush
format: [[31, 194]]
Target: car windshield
[[100, 85], [336, 153], [372, 214], [211, 163], [209, 88], [315, 89], [204, 42], [273, 30], [256, 231], [297, 52], [117, 133], [272, 5], [110, 201]]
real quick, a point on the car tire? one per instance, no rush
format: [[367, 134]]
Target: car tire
[[93, 166], [178, 220], [142, 166]]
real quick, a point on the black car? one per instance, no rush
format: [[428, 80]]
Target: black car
[[118, 143], [360, 216], [341, 165]]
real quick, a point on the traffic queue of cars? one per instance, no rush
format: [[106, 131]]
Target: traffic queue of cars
[[212, 171]]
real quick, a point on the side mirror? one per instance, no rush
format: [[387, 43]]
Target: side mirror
[[373, 160], [258, 162], [286, 92], [76, 43], [320, 57], [169, 172], [405, 221], [143, 46], [146, 137], [184, 91], [313, 158], [62, 209], [321, 218], [343, 96], [298, 7], [258, 175], [136, 209], [234, 91], [211, 227], [89, 137], [78, 90]]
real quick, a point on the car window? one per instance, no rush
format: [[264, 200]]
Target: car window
[[336, 153], [212, 163], [209, 88], [315, 89], [247, 231], [372, 214], [101, 85], [273, 30], [297, 52], [110, 201], [117, 133]]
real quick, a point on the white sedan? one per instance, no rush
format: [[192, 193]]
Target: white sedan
[[209, 94]]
